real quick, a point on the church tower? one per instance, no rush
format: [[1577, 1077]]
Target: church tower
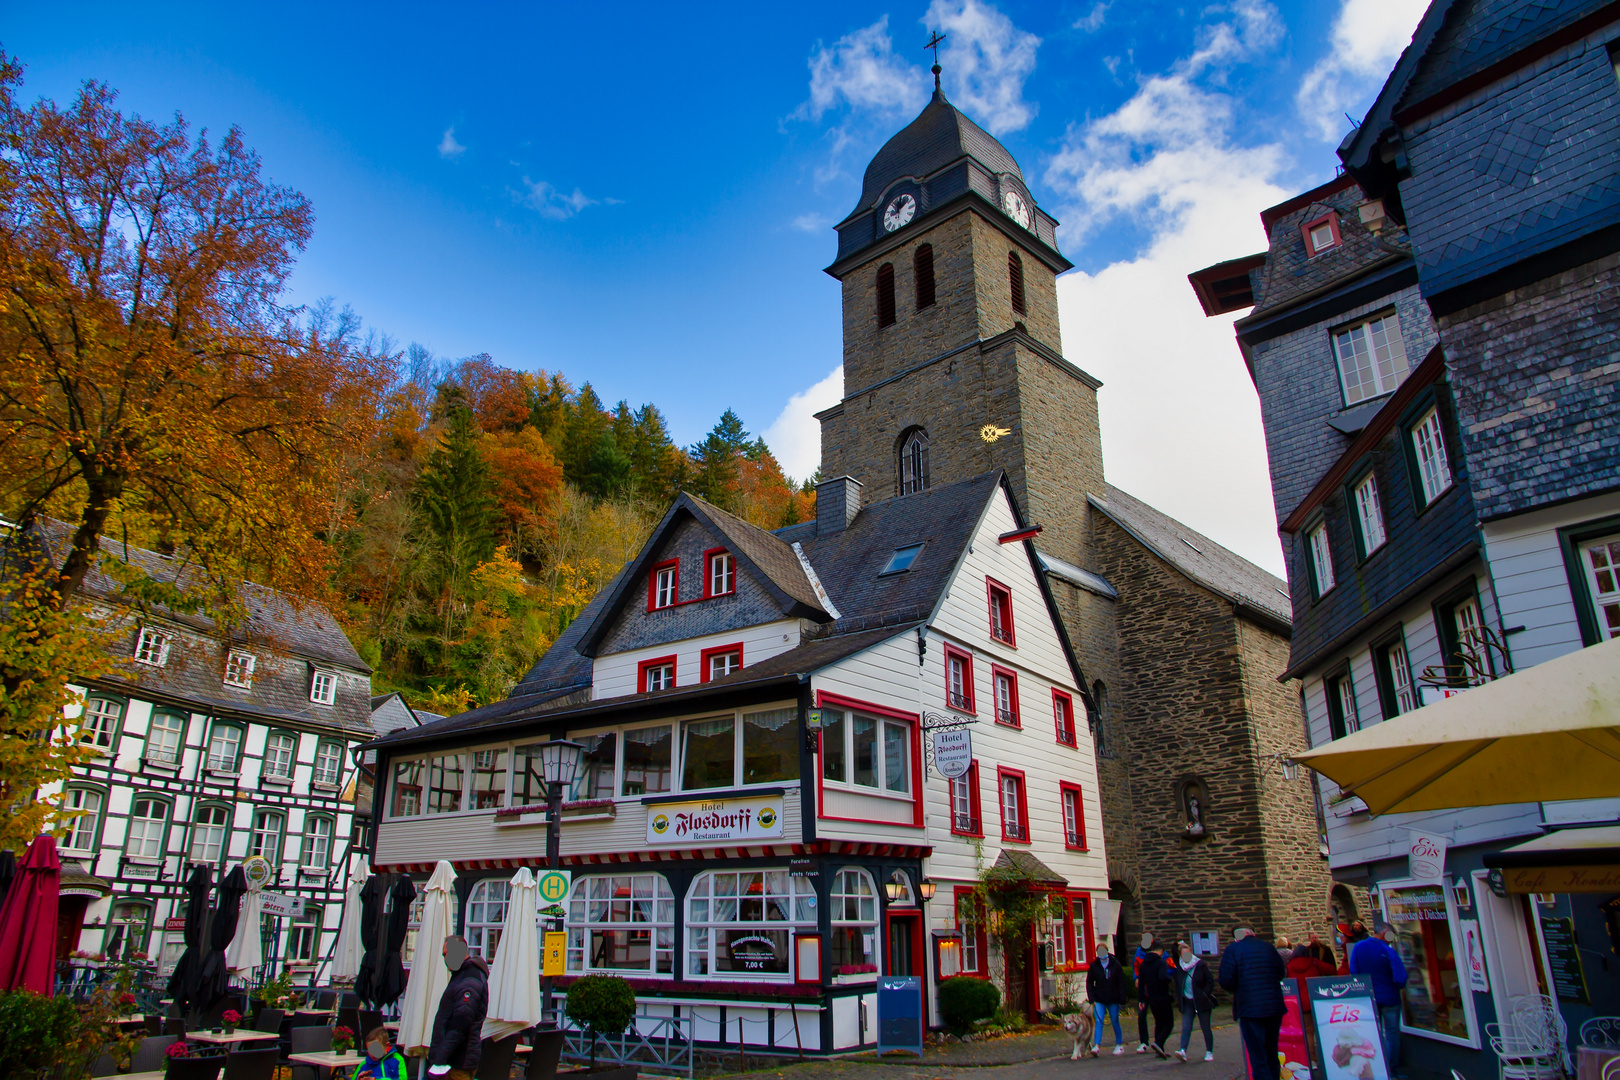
[[953, 356]]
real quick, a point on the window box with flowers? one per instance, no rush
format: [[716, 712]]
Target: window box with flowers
[[853, 974], [583, 810]]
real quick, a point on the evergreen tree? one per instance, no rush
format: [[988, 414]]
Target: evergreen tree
[[586, 423], [715, 461], [456, 499], [608, 469], [656, 465]]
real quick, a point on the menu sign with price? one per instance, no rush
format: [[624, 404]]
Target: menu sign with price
[[1564, 960]]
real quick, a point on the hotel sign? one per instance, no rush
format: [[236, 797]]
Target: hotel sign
[[715, 821]]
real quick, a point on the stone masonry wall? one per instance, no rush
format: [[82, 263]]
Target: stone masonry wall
[[1536, 377]]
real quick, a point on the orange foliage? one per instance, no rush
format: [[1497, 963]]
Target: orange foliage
[[500, 397], [526, 477]]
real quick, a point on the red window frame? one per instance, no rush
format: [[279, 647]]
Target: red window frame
[[1000, 597], [656, 662], [1078, 841], [964, 894], [999, 672], [704, 675], [652, 584], [1331, 219], [974, 805], [915, 795], [1063, 717], [968, 705], [1003, 774], [708, 572], [1080, 931]]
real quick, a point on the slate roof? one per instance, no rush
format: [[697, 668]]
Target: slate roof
[[1026, 865], [1197, 556], [786, 668], [1478, 33], [940, 135], [1290, 273]]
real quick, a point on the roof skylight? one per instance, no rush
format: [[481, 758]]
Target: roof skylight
[[902, 559]]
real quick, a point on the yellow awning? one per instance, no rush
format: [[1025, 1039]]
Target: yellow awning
[[1547, 733]]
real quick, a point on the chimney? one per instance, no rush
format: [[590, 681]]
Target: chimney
[[837, 502]]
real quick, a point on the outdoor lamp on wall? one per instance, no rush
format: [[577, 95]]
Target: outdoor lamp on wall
[[925, 889], [559, 761], [894, 889]]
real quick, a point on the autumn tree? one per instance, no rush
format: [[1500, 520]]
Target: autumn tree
[[151, 375]]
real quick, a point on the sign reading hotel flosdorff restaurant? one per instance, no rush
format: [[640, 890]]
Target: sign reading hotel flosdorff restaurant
[[715, 820]]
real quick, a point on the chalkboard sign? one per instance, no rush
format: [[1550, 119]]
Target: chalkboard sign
[[1564, 960]]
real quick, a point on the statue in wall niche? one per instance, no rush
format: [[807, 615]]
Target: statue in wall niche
[[1192, 809], [1195, 817]]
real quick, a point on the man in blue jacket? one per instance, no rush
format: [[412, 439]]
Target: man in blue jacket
[[1253, 971], [1381, 964]]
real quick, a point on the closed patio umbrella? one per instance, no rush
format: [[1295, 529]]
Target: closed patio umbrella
[[388, 983], [215, 980], [1543, 734], [187, 977], [346, 952], [28, 921], [429, 976], [246, 949], [373, 932], [514, 981]]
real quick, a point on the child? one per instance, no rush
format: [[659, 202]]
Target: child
[[382, 1061]]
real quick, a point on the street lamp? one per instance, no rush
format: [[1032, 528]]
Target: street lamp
[[894, 889], [559, 761], [925, 889]]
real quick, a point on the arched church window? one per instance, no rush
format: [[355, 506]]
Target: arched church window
[[885, 289], [923, 263], [1015, 275], [913, 461]]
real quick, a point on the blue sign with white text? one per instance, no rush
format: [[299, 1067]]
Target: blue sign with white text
[[900, 1015]]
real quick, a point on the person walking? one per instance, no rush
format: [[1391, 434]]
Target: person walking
[[1142, 949], [1105, 989], [458, 1026], [1303, 963], [1155, 985], [1381, 964], [1253, 972], [1195, 991]]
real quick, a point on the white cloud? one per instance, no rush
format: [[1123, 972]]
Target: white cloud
[[1092, 21], [552, 203], [811, 223], [1181, 422], [862, 71], [1368, 36], [986, 61], [795, 435], [448, 147]]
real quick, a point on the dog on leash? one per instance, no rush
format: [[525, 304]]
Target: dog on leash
[[1081, 1026]]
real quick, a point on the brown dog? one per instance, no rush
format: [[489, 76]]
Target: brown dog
[[1081, 1026]]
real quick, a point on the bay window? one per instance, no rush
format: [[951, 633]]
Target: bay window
[[876, 751], [623, 923], [444, 780], [407, 788], [741, 924], [594, 778], [488, 780], [648, 754]]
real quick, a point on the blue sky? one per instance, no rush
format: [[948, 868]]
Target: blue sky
[[642, 197]]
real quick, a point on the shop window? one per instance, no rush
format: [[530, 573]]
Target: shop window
[[1425, 926], [624, 923], [486, 914], [854, 922], [740, 924]]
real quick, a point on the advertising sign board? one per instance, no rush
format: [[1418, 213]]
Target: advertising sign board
[[1346, 1029], [710, 820]]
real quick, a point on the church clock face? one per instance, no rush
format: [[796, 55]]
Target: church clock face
[[1016, 208], [900, 211]]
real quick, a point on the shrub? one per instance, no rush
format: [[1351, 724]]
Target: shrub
[[603, 1003], [36, 1034], [964, 1000]]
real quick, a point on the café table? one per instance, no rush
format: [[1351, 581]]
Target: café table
[[1590, 1061], [240, 1035], [327, 1059], [157, 1075]]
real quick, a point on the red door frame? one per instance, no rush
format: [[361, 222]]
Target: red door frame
[[914, 916]]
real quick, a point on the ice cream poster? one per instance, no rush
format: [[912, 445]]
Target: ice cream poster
[[1347, 1029]]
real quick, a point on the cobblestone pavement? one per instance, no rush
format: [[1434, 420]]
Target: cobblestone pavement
[[1039, 1055]]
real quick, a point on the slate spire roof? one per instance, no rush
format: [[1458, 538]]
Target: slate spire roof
[[941, 134]]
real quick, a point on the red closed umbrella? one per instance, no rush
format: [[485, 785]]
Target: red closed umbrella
[[28, 921]]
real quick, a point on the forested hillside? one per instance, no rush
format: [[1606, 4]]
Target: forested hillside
[[496, 502]]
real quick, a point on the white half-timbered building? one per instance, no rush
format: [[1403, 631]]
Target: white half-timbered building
[[730, 858], [210, 748]]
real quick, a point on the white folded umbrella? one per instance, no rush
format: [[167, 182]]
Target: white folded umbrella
[[428, 976], [514, 981], [346, 953], [246, 950]]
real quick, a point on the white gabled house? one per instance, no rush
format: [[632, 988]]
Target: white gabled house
[[729, 858]]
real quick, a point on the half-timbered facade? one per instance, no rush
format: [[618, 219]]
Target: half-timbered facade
[[211, 747], [757, 711]]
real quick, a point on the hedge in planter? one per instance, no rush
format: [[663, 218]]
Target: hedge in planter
[[964, 1000], [604, 1004]]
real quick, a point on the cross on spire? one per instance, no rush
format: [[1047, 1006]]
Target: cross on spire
[[933, 43]]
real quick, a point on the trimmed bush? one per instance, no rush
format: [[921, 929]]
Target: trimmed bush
[[605, 1004], [964, 1000]]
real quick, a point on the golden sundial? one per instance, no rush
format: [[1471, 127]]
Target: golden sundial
[[990, 433]]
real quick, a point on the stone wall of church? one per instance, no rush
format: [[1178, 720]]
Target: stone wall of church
[[994, 289], [1061, 451]]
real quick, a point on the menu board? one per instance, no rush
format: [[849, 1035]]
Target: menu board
[[1564, 960], [1347, 1029]]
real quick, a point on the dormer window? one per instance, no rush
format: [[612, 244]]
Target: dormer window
[[722, 573], [239, 669], [153, 647], [664, 585], [1321, 233], [323, 688]]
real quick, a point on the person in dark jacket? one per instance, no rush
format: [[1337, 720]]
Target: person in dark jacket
[[1322, 951], [1253, 972], [1381, 964], [1153, 987], [1195, 993], [458, 1026], [1105, 989]]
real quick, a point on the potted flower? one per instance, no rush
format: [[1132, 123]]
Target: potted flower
[[126, 1002], [175, 1052], [342, 1039], [230, 1018]]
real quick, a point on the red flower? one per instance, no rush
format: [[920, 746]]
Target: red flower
[[230, 1016], [177, 1049], [126, 999]]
